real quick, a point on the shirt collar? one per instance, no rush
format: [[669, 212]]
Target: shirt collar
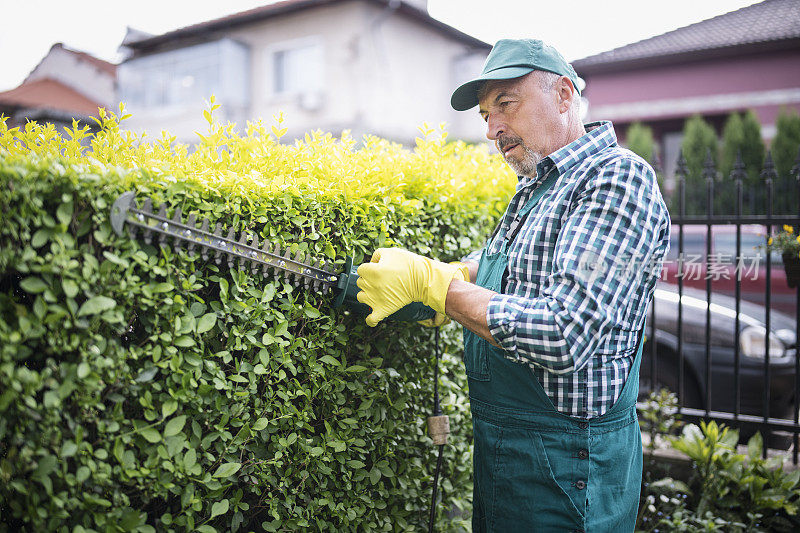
[[598, 136]]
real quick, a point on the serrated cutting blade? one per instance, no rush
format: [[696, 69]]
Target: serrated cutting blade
[[250, 255]]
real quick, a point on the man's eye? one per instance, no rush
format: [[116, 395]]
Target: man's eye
[[504, 103]]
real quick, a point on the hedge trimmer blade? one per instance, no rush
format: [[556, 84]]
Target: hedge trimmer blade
[[298, 270]]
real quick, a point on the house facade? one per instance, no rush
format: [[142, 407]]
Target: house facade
[[66, 84], [745, 59], [369, 66]]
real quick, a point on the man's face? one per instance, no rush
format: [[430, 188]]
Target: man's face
[[522, 119]]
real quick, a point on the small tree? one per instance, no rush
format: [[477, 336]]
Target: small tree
[[639, 139], [699, 138], [741, 135], [786, 144]]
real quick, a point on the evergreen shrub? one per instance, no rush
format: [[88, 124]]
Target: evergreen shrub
[[144, 389]]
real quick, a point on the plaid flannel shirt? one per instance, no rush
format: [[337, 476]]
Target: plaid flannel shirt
[[581, 271]]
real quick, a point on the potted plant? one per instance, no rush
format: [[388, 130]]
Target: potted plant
[[788, 243]]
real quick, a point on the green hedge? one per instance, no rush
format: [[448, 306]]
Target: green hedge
[[142, 389]]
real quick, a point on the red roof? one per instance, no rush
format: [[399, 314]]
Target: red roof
[[47, 93], [772, 22]]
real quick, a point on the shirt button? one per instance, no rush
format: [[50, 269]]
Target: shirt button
[[580, 484], [583, 454]]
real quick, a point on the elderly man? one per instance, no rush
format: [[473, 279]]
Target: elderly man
[[554, 311]]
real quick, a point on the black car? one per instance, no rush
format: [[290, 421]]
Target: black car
[[722, 338]]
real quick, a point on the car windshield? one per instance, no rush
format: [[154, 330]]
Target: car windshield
[[693, 244], [725, 248], [724, 245]]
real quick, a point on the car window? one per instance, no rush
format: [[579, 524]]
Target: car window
[[725, 245], [693, 244]]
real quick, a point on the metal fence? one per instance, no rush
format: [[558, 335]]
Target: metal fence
[[730, 355]]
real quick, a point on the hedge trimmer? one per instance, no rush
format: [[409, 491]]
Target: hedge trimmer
[[268, 260], [260, 258]]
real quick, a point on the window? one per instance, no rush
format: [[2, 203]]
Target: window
[[186, 76], [298, 69], [726, 244]]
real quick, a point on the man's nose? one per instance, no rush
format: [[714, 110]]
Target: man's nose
[[494, 127]]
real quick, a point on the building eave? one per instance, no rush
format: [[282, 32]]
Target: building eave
[[589, 68], [205, 31]]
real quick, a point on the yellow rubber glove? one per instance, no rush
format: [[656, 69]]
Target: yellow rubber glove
[[441, 319], [395, 277], [435, 322]]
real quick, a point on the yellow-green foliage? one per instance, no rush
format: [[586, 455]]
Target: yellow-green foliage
[[257, 165], [144, 389]]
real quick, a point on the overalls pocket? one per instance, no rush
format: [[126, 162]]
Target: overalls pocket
[[527, 492], [476, 357]]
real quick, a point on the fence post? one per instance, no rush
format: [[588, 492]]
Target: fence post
[[796, 172], [737, 175], [680, 172]]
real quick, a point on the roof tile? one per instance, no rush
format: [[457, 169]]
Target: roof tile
[[47, 93], [771, 20]]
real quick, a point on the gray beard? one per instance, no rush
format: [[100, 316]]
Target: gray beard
[[527, 165]]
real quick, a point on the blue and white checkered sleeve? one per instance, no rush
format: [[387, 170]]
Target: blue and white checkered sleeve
[[613, 220], [473, 257]]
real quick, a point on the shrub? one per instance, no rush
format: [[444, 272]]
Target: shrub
[[145, 389], [699, 140], [728, 491], [742, 136], [639, 139], [786, 143]]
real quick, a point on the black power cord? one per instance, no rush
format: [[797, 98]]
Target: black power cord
[[437, 414]]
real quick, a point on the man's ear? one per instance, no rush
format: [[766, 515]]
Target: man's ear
[[566, 93]]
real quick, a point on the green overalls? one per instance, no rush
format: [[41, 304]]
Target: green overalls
[[536, 469]]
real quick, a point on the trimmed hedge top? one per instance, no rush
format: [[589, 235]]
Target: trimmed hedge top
[[143, 389]]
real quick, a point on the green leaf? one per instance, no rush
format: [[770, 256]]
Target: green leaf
[[174, 426], [189, 458], [64, 213], [33, 285], [260, 424], [147, 374], [95, 305], [374, 475], [151, 435], [82, 474], [162, 287], [219, 508], [184, 341], [330, 360], [227, 469], [68, 449], [70, 288], [83, 370], [206, 322], [169, 407], [40, 238]]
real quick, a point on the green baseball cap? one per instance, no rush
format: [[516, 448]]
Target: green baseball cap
[[512, 58]]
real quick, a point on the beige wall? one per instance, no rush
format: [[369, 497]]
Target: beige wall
[[384, 74], [84, 77]]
